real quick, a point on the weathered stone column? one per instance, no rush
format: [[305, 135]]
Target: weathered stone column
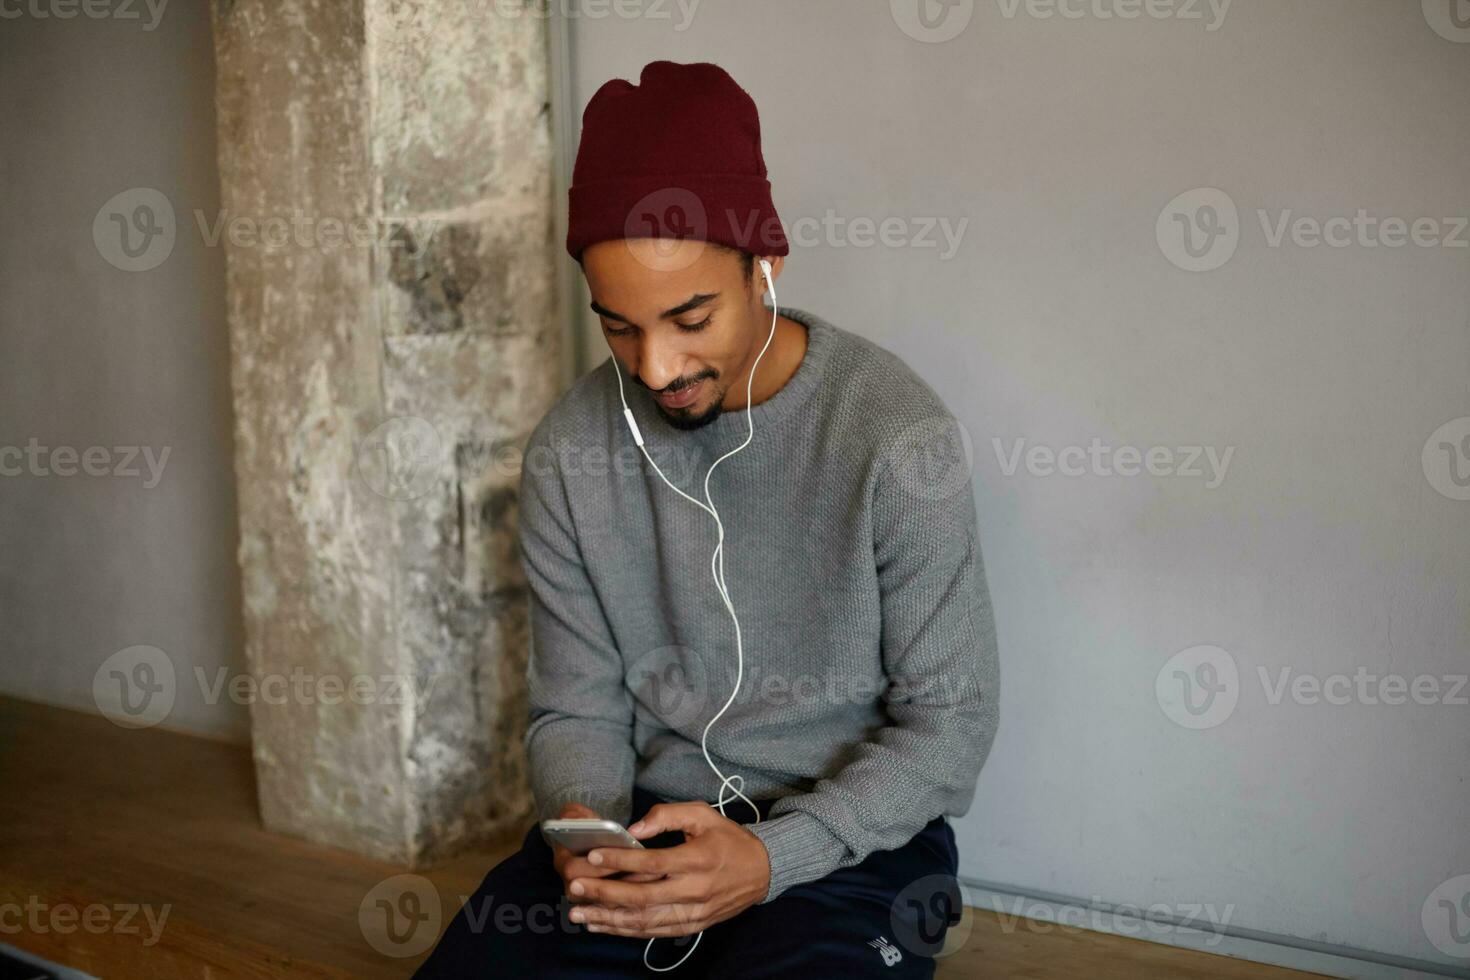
[[386, 179]]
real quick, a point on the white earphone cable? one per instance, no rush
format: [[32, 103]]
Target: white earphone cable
[[717, 570]]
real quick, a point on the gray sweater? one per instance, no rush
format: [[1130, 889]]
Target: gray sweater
[[869, 697]]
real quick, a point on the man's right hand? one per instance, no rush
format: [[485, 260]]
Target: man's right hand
[[570, 865]]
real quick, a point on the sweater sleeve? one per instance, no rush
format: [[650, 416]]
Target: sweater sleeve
[[579, 740], [939, 655]]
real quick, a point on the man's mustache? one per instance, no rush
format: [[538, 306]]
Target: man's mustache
[[677, 385]]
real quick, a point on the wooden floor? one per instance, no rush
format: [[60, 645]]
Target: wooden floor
[[98, 820]]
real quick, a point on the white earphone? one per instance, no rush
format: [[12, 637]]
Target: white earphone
[[717, 569]]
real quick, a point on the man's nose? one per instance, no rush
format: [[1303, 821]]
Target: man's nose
[[658, 364]]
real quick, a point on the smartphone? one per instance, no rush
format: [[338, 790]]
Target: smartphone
[[582, 835]]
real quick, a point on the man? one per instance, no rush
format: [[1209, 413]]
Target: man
[[852, 679]]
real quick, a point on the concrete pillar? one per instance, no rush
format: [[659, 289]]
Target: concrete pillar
[[386, 180]]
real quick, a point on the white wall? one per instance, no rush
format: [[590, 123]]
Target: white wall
[[1325, 550], [94, 356]]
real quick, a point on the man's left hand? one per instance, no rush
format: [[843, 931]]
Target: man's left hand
[[719, 871]]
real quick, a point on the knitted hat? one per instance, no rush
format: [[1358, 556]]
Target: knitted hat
[[676, 156]]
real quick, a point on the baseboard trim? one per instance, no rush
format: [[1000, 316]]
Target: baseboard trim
[[1245, 944]]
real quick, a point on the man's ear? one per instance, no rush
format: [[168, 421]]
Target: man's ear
[[777, 262]]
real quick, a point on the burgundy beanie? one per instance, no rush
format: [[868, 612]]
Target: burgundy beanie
[[676, 156]]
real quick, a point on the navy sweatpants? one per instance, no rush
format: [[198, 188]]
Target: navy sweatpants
[[883, 917]]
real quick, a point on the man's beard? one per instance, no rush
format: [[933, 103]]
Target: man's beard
[[682, 420]]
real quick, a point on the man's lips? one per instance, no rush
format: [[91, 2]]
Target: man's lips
[[682, 398]]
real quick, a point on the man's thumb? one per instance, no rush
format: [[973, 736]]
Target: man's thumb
[[662, 817]]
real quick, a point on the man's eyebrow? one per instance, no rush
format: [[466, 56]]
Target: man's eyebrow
[[692, 303]]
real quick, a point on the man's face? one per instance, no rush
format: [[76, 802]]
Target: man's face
[[680, 317]]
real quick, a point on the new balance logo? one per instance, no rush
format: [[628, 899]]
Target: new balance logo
[[887, 950]]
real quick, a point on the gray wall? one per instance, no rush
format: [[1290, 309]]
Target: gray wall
[[95, 356], [1325, 550]]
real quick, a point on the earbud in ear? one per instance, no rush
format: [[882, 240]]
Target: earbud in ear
[[766, 270]]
